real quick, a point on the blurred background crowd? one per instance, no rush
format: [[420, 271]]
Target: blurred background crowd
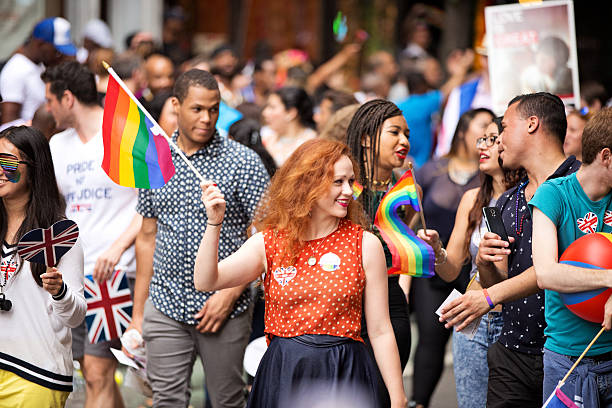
[[413, 54]]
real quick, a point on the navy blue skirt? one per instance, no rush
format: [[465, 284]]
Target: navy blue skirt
[[308, 370]]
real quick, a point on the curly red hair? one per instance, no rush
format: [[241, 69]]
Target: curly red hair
[[296, 186]]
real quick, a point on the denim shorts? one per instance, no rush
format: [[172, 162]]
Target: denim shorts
[[470, 361]]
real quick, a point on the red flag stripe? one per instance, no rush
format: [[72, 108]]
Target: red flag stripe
[[110, 102]]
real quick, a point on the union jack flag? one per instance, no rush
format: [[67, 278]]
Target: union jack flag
[[109, 307], [588, 224], [608, 218], [80, 207], [47, 246]]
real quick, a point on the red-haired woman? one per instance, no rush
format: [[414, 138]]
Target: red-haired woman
[[320, 268]]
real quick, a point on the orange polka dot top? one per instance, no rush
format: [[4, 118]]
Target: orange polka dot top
[[323, 298]]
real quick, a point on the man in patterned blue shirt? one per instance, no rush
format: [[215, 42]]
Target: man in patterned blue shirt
[[176, 320]]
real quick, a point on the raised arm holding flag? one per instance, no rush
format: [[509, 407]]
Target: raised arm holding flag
[[378, 139], [176, 319]]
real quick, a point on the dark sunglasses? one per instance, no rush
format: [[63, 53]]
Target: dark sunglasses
[[488, 140]]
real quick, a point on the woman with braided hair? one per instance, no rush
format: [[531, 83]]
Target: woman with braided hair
[[378, 138]]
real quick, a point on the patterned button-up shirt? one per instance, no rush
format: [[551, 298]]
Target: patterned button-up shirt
[[181, 221], [524, 321]]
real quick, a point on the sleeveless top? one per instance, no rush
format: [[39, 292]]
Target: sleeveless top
[[475, 239], [325, 298]]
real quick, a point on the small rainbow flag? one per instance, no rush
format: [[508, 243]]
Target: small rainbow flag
[[135, 152], [411, 255], [558, 399], [357, 189]]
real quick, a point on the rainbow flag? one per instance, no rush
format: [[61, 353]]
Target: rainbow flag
[[357, 189], [135, 152], [411, 255]]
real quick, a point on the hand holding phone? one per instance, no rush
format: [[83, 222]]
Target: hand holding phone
[[493, 221], [492, 249]]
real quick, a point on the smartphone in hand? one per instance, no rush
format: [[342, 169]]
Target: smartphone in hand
[[493, 221]]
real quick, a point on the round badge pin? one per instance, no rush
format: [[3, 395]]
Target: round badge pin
[[329, 262]]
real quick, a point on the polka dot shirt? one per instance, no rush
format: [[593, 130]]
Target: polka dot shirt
[[324, 298], [181, 221], [524, 322]]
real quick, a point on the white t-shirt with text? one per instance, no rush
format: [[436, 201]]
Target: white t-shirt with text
[[101, 208]]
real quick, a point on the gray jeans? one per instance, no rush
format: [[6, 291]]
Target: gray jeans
[[171, 351]]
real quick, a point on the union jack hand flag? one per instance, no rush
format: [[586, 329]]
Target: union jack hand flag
[[109, 307], [47, 246]]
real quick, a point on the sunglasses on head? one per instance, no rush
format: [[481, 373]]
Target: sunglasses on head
[[9, 164]]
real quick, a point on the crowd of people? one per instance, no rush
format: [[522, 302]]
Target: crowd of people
[[272, 243]]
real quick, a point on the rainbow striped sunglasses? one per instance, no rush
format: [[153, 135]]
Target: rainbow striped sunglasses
[[9, 164]]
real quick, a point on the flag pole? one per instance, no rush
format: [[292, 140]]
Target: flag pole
[[112, 72], [582, 355], [422, 212], [471, 281]]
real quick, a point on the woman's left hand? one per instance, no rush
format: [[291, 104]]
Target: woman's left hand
[[52, 280]]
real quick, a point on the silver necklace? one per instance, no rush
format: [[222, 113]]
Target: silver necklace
[[312, 260]]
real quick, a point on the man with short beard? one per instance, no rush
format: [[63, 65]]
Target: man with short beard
[[534, 128]]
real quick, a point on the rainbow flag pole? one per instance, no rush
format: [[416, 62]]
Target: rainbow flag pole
[[558, 398], [112, 72], [422, 211]]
